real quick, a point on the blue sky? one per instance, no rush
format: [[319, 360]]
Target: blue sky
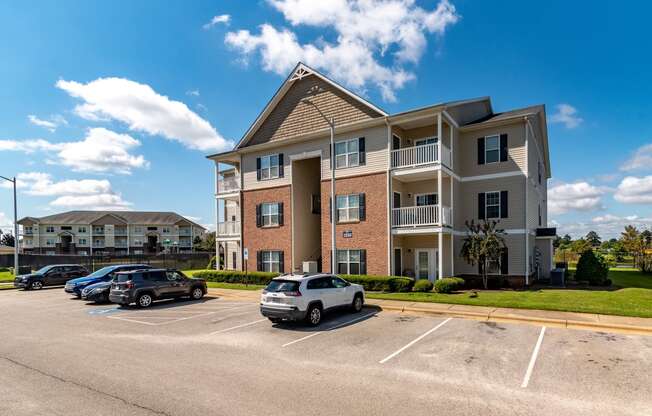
[[126, 98]]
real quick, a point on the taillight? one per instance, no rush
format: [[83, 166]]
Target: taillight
[[129, 284], [293, 293]]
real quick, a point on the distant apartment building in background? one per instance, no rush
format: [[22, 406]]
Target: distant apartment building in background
[[108, 232], [406, 184]]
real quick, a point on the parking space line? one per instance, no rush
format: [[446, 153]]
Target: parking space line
[[414, 341], [328, 329], [133, 320], [533, 359], [237, 327]]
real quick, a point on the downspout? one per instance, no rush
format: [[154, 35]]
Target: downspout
[[527, 179], [217, 244], [390, 197]]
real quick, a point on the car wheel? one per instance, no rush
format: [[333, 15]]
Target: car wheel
[[144, 300], [37, 285], [314, 315], [356, 306], [196, 293]]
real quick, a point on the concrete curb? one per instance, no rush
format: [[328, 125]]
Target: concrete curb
[[494, 317]]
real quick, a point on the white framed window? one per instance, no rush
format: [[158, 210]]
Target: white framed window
[[426, 140], [347, 153], [82, 242], [348, 208], [166, 230], [492, 149], [271, 261], [28, 229], [426, 199], [98, 242], [81, 229], [50, 242], [269, 167], [348, 261], [98, 230], [49, 229], [138, 243], [138, 229], [492, 204], [269, 212]]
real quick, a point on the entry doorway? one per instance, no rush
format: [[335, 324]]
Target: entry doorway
[[398, 261], [426, 261], [152, 243]]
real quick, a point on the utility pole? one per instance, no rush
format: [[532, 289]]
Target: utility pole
[[13, 181]]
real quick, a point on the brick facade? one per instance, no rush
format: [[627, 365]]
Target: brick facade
[[370, 234], [274, 238]]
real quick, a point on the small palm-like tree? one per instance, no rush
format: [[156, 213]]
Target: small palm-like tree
[[483, 245]]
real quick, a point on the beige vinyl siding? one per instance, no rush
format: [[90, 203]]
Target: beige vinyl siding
[[467, 208], [232, 209], [375, 148], [230, 248], [467, 147], [515, 255], [290, 117]]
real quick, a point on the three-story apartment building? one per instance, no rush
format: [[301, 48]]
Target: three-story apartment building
[[405, 185], [108, 232]]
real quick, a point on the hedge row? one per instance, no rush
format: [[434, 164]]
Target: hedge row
[[370, 283]]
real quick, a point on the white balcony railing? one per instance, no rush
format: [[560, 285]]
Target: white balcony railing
[[230, 184], [420, 155], [421, 216], [228, 228]]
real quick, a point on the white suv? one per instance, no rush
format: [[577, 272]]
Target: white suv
[[297, 297]]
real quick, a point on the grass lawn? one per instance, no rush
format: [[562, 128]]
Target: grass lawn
[[632, 296], [6, 277]]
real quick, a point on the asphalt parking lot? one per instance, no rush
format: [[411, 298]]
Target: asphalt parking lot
[[60, 356]]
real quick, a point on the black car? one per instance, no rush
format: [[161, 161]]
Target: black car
[[53, 275], [145, 286], [105, 274], [98, 292]]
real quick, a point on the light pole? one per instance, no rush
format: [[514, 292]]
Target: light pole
[[331, 125], [15, 226]]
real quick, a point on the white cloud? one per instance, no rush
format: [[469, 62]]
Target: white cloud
[[578, 196], [101, 150], [144, 110], [567, 115], [222, 18], [72, 193], [194, 93], [367, 31], [640, 160], [51, 124], [6, 224], [634, 190]]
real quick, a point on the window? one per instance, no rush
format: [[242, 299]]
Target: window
[[174, 276], [492, 205], [28, 241], [270, 214], [98, 230], [492, 149], [98, 243], [348, 261], [166, 230], [138, 243], [49, 229], [276, 286], [152, 228], [66, 228], [423, 142], [347, 153], [157, 276], [426, 199], [315, 203], [269, 167], [338, 283], [49, 242], [138, 230], [82, 241], [348, 208], [271, 261], [28, 229], [320, 283], [81, 229]]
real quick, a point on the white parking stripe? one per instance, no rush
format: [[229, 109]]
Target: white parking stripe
[[419, 338], [238, 326], [533, 359], [328, 329], [132, 320]]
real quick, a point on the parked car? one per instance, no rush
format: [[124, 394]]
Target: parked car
[[145, 286], [98, 292], [105, 274], [53, 275], [306, 297]]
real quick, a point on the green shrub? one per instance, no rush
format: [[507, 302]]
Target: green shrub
[[381, 283], [236, 276], [423, 285], [211, 264], [448, 284], [592, 268]]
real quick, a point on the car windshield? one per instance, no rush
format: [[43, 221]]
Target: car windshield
[[102, 272], [282, 286], [44, 270]]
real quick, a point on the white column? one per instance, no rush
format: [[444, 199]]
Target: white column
[[440, 266], [439, 138], [439, 198], [390, 199], [452, 254], [128, 239], [91, 239], [450, 130]]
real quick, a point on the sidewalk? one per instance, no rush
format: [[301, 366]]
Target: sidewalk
[[574, 320]]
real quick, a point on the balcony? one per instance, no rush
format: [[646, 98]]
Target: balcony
[[121, 243], [184, 231], [120, 231], [228, 184], [417, 156], [426, 215], [228, 228], [184, 242]]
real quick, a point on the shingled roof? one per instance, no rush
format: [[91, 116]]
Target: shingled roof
[[130, 217]]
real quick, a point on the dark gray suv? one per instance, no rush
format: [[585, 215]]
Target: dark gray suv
[[144, 286]]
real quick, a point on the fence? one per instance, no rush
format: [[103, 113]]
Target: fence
[[185, 261]]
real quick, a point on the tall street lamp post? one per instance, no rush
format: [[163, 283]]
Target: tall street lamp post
[[15, 226], [331, 125]]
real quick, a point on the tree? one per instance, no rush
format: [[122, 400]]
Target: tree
[[205, 242], [593, 238], [579, 246], [632, 242], [7, 240], [647, 238], [483, 245]]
